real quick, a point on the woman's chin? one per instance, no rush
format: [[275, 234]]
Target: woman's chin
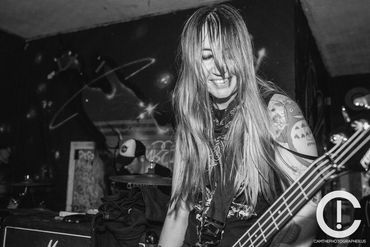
[[222, 98]]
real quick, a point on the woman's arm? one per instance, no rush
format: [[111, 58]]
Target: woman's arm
[[176, 222], [174, 228], [293, 132]]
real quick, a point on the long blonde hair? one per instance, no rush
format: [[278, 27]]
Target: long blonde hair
[[249, 142]]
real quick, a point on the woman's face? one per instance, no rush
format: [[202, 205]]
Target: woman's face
[[220, 86]]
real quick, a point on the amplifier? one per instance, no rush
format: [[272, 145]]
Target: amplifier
[[44, 231]]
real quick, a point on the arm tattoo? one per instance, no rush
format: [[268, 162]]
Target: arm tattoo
[[291, 129]]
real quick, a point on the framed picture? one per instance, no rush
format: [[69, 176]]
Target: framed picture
[[85, 186]]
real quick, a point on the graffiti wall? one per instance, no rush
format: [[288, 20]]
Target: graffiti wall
[[112, 83]]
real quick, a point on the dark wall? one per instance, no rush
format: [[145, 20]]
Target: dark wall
[[39, 94], [272, 25]]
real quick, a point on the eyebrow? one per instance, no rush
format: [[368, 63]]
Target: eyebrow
[[206, 49]]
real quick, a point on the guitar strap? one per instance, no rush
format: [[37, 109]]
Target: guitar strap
[[309, 157], [214, 222]]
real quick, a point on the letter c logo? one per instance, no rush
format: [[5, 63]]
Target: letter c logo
[[320, 214]]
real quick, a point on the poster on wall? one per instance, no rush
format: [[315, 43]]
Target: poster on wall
[[85, 186]]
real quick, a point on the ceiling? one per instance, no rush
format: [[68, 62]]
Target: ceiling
[[342, 32], [341, 28], [39, 18]]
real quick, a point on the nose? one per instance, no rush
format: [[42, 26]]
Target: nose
[[214, 70], [218, 73]]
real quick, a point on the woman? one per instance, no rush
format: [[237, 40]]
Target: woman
[[230, 157]]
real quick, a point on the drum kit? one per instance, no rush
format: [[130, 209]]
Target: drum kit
[[28, 185], [142, 179], [149, 178]]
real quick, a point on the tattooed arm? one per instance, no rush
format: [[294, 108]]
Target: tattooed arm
[[293, 132]]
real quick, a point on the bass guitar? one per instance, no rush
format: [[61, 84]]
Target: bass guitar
[[323, 169]]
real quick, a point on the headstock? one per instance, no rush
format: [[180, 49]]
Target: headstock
[[353, 148]]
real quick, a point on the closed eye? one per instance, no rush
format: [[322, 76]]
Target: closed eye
[[207, 56]]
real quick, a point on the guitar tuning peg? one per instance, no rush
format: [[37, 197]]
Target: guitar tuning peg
[[338, 138], [361, 124], [366, 125]]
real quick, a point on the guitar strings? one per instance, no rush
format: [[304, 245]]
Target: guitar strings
[[339, 148], [355, 151], [356, 133]]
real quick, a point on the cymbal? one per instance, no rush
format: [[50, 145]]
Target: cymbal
[[30, 183], [143, 179]]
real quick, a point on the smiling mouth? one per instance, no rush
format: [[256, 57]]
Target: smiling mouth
[[221, 82]]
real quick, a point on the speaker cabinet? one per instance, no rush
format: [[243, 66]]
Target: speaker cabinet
[[44, 231]]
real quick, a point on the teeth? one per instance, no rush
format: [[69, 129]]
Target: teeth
[[221, 81]]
